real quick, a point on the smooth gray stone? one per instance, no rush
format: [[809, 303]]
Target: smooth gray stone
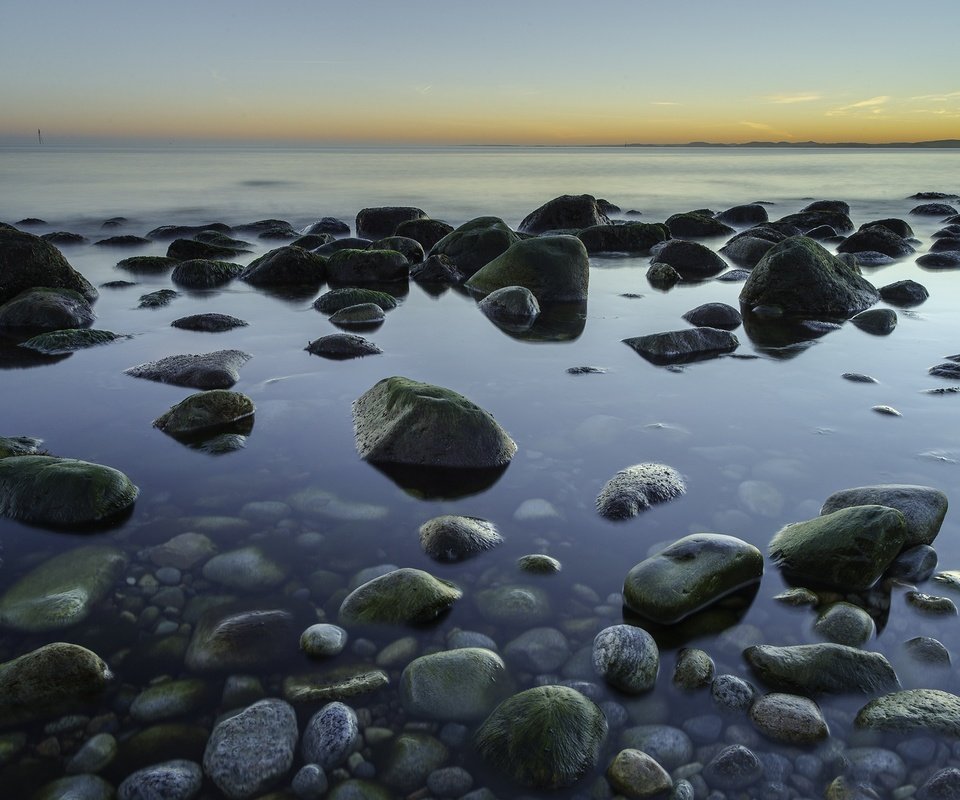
[[627, 657], [821, 668], [455, 685], [923, 507], [330, 736], [171, 780]]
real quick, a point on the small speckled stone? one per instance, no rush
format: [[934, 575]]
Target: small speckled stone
[[732, 693], [797, 596], [633, 773], [695, 669], [330, 736], [733, 768], [845, 623], [310, 782], [789, 718], [449, 782], [627, 657], [926, 650]]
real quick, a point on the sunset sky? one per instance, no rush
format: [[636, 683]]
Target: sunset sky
[[436, 72]]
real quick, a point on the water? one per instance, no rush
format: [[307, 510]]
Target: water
[[784, 423]]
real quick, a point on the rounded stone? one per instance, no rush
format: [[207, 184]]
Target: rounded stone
[[310, 782], [626, 657], [170, 780], [845, 623], [412, 757], [636, 488], [323, 640], [734, 768], [454, 538], [330, 736], [538, 650], [206, 412], [94, 755], [634, 773], [670, 746], [248, 568], [455, 685], [449, 782], [402, 596], [732, 693], [694, 670], [514, 604], [789, 718]]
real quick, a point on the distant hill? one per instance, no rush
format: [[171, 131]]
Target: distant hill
[[939, 143]]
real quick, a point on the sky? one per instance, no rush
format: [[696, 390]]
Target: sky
[[489, 72]]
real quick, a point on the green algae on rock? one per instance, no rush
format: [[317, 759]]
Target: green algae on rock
[[458, 685], [475, 243], [206, 412], [337, 299], [27, 261], [821, 668], [922, 710], [69, 340], [339, 683], [46, 309], [401, 597]]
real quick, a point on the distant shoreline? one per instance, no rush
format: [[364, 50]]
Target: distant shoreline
[[938, 143]]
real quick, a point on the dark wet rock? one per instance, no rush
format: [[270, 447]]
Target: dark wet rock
[[198, 273], [250, 752], [511, 305], [867, 258], [342, 346], [927, 651], [670, 746], [802, 278], [877, 239], [749, 246], [262, 225], [211, 322], [49, 682], [845, 623], [476, 243], [692, 573], [627, 658], [923, 507], [931, 605], [539, 564], [821, 669], [410, 249], [856, 377], [247, 569], [933, 210], [696, 225], [340, 683], [948, 231], [216, 370], [70, 340], [732, 769], [894, 225], [544, 738], [336, 299], [170, 780], [904, 293], [586, 370], [62, 492], [350, 267], [942, 785], [187, 249], [553, 268], [170, 699], [835, 206], [286, 266], [158, 299], [734, 276], [347, 243], [808, 220], [538, 650], [403, 421], [221, 239], [330, 736], [514, 605], [694, 669], [745, 215], [46, 309], [362, 315], [427, 232], [455, 685], [207, 412], [401, 597], [312, 241], [878, 321], [328, 225], [714, 315], [123, 241], [455, 538], [323, 640], [663, 276], [235, 637], [933, 196], [633, 773], [437, 269], [379, 222], [914, 564], [61, 238], [634, 237], [411, 758], [147, 265], [20, 446], [170, 232], [563, 213], [924, 710], [945, 244], [114, 222], [691, 259], [789, 718], [28, 222], [945, 260], [823, 233], [76, 787], [689, 344], [284, 232], [636, 488]]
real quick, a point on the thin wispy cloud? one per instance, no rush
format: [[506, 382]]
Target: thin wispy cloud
[[423, 89], [786, 99], [762, 126], [664, 103], [870, 103], [936, 98]]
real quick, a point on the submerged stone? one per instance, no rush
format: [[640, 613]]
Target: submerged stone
[[689, 344], [337, 299], [380, 221], [67, 341], [360, 316], [514, 605], [821, 668], [336, 684], [148, 265], [342, 346], [199, 273], [923, 507], [403, 596], [350, 267], [236, 637], [636, 488], [455, 685], [913, 710], [692, 260], [634, 237], [212, 323], [46, 309], [878, 321], [207, 412], [475, 243], [158, 299], [565, 212], [511, 305], [714, 315], [216, 370], [633, 773], [454, 538]]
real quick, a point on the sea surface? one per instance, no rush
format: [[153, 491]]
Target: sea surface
[[761, 442]]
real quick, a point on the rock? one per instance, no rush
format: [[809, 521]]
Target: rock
[[426, 232], [538, 650], [811, 218], [51, 681], [789, 718], [633, 773], [944, 260], [62, 492], [364, 315], [411, 759], [403, 596], [248, 569], [328, 225], [148, 265], [745, 215], [401, 421], [933, 210], [27, 261], [454, 685], [904, 293], [207, 412], [158, 299], [342, 346], [821, 668], [252, 751], [170, 699], [931, 604], [888, 411], [47, 310], [437, 270], [450, 782], [475, 243], [221, 239], [235, 638], [454, 538], [354, 789], [212, 323], [845, 623], [636, 488], [544, 738], [924, 710], [216, 370], [167, 232], [670, 746], [188, 249], [749, 246], [732, 694], [539, 564], [61, 238], [877, 238], [914, 564], [802, 278], [555, 269], [692, 573], [335, 684], [312, 241], [663, 276], [896, 226], [942, 785], [347, 243], [848, 549], [933, 196], [691, 259], [694, 670], [337, 299], [512, 305], [945, 244], [378, 222], [732, 769], [198, 273], [286, 266], [878, 321], [689, 344], [714, 315], [331, 735], [694, 225], [310, 782], [20, 446], [76, 787], [70, 340], [514, 605], [184, 551], [923, 507], [627, 658], [94, 755], [323, 640], [634, 237], [171, 780], [351, 267], [410, 249], [824, 233], [834, 206], [565, 212]]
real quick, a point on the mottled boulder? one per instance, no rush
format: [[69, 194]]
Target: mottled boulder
[[636, 488], [734, 768], [216, 370], [554, 268], [813, 218], [350, 267], [454, 538], [27, 261], [689, 344], [286, 266], [187, 249], [403, 421], [633, 773], [210, 323], [877, 238], [745, 215], [563, 213], [426, 232], [692, 573], [198, 273], [207, 412], [933, 210], [878, 321], [913, 710], [340, 346], [802, 278], [47, 310], [401, 597], [898, 226], [544, 738], [662, 276], [627, 658], [789, 718], [904, 293], [455, 685], [714, 315], [821, 669], [70, 340], [381, 221], [336, 299], [475, 243], [693, 224], [923, 507], [691, 259], [62, 492], [845, 623], [634, 237]]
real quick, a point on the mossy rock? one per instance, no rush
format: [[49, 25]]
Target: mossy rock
[[62, 492], [286, 266], [692, 260], [210, 323], [187, 249], [158, 299], [427, 232], [821, 669], [923, 507], [19, 446], [364, 315], [216, 370], [547, 737], [913, 711], [380, 221], [148, 265], [476, 243], [27, 261], [636, 488], [555, 268], [46, 309], [340, 683], [337, 299], [567, 212], [878, 239], [339, 346], [454, 538], [200, 273], [207, 412], [351, 267], [634, 237], [688, 344], [236, 637], [694, 224], [411, 249], [401, 597], [458, 685], [69, 340]]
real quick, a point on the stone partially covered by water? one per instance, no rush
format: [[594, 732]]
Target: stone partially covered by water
[[350, 267], [821, 669], [692, 573], [547, 737], [565, 212], [214, 411], [689, 344], [636, 488], [923, 507], [236, 637], [70, 340], [634, 237], [27, 261], [455, 685], [913, 710], [556, 269], [454, 538], [627, 658], [216, 370], [475, 243], [403, 596], [45, 309], [380, 221], [341, 346], [286, 266], [199, 273]]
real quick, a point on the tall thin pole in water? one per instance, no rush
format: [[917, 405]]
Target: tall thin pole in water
[[39, 137]]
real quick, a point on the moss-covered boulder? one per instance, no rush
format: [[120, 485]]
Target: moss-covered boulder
[[200, 273], [878, 239], [821, 669], [46, 309], [511, 306], [801, 278], [286, 266], [565, 212], [401, 597], [745, 215], [337, 299], [455, 685], [410, 249], [813, 217], [453, 537], [426, 232], [207, 412], [62, 492], [341, 346], [922, 711], [381, 221], [555, 268], [208, 323], [158, 299], [148, 265], [351, 267], [20, 446], [27, 261], [49, 682], [217, 370], [187, 249], [547, 737], [695, 224], [688, 344], [401, 421], [70, 340], [636, 488], [923, 507], [692, 260], [361, 316], [634, 237], [848, 549], [689, 575], [476, 243]]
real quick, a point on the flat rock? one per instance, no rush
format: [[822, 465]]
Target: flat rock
[[216, 370], [211, 322], [70, 340], [821, 668], [341, 346], [206, 412], [636, 488], [789, 718], [341, 683], [913, 710], [689, 344], [454, 538], [455, 685]]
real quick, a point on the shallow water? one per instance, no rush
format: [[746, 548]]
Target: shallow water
[[784, 424]]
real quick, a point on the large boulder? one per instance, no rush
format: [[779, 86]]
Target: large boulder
[[217, 370], [692, 260], [801, 278], [923, 507], [401, 597], [554, 268], [351, 267], [46, 309], [695, 224], [745, 215], [427, 232], [401, 421], [382, 221], [205, 412], [286, 266], [634, 237], [878, 239], [27, 261], [475, 243], [198, 273], [409, 248], [455, 685], [810, 218], [563, 213], [922, 711], [821, 669]]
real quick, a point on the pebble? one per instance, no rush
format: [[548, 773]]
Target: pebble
[[94, 754], [169, 576], [330, 736], [310, 782], [734, 768], [323, 640], [449, 782], [171, 780]]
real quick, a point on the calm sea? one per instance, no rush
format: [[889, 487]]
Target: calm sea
[[762, 442]]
